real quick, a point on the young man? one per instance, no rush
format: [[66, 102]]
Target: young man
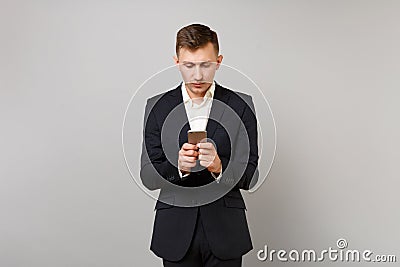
[[200, 214]]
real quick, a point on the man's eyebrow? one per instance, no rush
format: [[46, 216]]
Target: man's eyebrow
[[200, 61]]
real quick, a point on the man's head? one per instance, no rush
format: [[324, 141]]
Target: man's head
[[197, 57]]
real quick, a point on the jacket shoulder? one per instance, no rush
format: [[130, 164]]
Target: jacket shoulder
[[238, 99], [162, 99], [162, 96]]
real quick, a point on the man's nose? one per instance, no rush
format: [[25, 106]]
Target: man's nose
[[198, 75]]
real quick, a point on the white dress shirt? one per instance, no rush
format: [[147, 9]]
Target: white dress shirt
[[198, 112]]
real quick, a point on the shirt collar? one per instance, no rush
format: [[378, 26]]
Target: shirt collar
[[209, 93]]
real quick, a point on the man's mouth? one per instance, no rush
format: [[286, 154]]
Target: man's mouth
[[197, 85]]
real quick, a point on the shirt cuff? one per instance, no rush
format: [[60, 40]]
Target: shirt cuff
[[217, 179], [182, 175]]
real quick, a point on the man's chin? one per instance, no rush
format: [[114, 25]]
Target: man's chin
[[199, 87]]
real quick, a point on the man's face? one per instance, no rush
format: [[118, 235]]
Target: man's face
[[198, 68]]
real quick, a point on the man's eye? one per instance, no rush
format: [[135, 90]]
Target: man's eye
[[205, 65], [189, 65]]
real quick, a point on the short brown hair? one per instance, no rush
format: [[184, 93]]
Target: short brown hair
[[195, 36]]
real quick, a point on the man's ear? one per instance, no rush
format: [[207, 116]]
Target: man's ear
[[176, 60], [219, 60]]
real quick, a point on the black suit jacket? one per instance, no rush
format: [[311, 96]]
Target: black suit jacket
[[232, 125]]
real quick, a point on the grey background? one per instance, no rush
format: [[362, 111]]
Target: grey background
[[68, 69]]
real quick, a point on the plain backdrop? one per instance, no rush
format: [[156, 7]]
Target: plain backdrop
[[329, 69]]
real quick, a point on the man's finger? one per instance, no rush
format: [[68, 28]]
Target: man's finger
[[203, 157], [205, 145], [187, 146], [190, 153], [187, 159], [204, 151]]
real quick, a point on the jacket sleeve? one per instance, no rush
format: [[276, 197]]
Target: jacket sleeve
[[243, 164], [155, 169]]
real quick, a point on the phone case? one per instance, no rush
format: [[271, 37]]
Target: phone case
[[195, 137]]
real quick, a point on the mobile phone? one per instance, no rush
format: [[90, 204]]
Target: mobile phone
[[195, 137]]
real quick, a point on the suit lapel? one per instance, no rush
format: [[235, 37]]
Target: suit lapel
[[180, 117], [220, 101]]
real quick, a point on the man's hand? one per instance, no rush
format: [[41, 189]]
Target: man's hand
[[209, 158], [187, 157]]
